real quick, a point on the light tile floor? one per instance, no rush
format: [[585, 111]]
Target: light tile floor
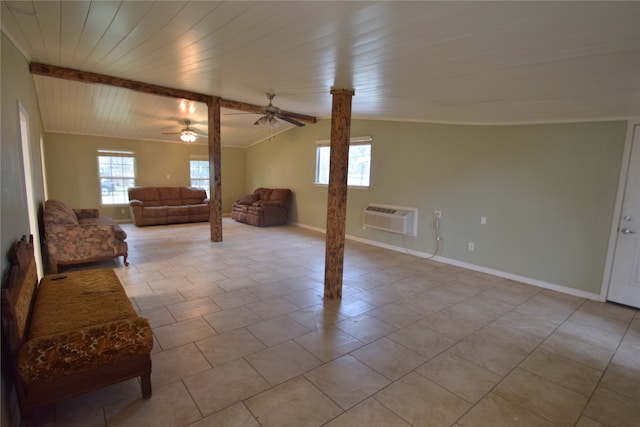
[[243, 337]]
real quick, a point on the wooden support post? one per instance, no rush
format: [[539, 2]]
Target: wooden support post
[[215, 184], [337, 198]]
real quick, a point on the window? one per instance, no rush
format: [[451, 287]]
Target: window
[[359, 162], [117, 173], [199, 172]]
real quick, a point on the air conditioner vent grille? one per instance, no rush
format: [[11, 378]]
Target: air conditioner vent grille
[[383, 210], [394, 219]]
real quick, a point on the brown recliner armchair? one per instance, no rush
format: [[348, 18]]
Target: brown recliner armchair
[[266, 206]]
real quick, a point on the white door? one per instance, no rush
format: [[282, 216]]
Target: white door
[[625, 278]]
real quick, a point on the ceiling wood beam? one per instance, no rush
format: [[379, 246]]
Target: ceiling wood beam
[[88, 77]]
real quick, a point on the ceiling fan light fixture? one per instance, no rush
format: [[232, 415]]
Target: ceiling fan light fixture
[[268, 120], [188, 136]]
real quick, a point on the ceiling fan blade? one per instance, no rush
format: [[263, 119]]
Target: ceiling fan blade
[[170, 133], [290, 120]]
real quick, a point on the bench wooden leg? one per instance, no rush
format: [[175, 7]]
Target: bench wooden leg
[[145, 385]]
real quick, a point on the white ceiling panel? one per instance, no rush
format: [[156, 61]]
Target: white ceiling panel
[[454, 62]]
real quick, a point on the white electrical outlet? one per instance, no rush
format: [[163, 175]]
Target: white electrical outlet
[[472, 246], [437, 214], [483, 220]]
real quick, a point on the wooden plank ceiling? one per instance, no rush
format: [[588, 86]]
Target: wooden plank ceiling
[[454, 62]]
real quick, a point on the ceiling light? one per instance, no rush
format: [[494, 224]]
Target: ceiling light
[[188, 136], [268, 120]]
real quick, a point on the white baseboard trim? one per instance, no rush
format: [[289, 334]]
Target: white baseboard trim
[[469, 266]]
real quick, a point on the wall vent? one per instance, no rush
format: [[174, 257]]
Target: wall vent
[[394, 219]]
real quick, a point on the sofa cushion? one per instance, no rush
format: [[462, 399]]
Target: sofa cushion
[[148, 195], [58, 212], [75, 300], [155, 212], [248, 199], [118, 232], [80, 321], [170, 196], [281, 196], [192, 195], [263, 193]]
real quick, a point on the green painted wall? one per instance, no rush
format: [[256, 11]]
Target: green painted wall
[[17, 88], [72, 168], [548, 191]]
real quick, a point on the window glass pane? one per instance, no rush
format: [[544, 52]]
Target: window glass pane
[[322, 165], [359, 165], [199, 171], [117, 175]]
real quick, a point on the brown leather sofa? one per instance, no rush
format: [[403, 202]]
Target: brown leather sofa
[[264, 207], [168, 205]]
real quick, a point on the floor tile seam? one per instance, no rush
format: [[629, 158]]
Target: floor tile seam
[[425, 378], [220, 366], [581, 339], [607, 332], [425, 356], [246, 407], [529, 410], [304, 375], [599, 384], [195, 403], [452, 391], [496, 385], [380, 373], [622, 396], [587, 301], [537, 347], [513, 310], [230, 330]]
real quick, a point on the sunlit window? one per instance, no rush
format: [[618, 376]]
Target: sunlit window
[[199, 172], [359, 162], [117, 173]]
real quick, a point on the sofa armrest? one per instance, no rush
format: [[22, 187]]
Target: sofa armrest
[[69, 243], [89, 233], [136, 202], [46, 358], [86, 213]]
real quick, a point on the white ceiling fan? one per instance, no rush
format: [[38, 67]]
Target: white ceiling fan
[[273, 113]]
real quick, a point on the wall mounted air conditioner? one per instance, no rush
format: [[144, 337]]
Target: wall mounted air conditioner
[[394, 219]]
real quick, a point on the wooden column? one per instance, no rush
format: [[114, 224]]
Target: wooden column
[[337, 199], [215, 184]]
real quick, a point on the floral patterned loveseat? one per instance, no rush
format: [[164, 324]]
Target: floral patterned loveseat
[[75, 236]]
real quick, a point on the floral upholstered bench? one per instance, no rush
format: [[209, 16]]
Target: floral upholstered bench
[[72, 333]]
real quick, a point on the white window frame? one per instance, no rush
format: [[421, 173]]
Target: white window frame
[[323, 154], [125, 181], [196, 158]]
